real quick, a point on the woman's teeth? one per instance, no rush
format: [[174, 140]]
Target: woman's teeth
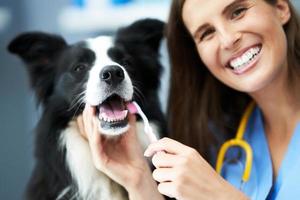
[[245, 59]]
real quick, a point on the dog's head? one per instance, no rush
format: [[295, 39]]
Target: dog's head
[[105, 72]]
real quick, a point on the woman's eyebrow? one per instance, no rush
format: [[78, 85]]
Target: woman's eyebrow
[[225, 10], [199, 30]]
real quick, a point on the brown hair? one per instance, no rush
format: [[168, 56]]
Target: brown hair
[[202, 111]]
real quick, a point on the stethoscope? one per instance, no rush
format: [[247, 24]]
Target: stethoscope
[[238, 141]]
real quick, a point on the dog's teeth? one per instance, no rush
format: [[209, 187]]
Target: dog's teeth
[[125, 112], [103, 116]]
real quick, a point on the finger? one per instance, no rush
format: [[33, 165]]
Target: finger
[[96, 144], [163, 159], [80, 125], [93, 135], [90, 122], [164, 174], [131, 134], [86, 120], [165, 144], [132, 122], [167, 189], [91, 109], [131, 119]]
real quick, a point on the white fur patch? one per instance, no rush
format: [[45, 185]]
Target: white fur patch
[[97, 91], [92, 184]]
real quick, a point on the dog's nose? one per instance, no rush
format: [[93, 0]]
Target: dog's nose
[[112, 74]]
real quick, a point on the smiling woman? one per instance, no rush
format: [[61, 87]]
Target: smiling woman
[[238, 41], [224, 55]]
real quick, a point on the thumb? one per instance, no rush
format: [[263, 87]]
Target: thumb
[[80, 124], [131, 119], [132, 124]]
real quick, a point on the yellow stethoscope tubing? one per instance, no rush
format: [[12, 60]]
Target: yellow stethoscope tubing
[[239, 142]]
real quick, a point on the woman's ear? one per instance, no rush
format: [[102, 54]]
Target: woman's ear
[[283, 11]]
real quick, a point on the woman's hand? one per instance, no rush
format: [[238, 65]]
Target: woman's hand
[[120, 158], [183, 174]]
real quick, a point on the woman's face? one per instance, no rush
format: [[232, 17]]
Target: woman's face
[[242, 42]]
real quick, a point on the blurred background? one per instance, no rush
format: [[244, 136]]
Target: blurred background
[[75, 20]]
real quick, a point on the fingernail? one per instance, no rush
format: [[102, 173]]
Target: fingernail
[[147, 153], [90, 109], [93, 110]]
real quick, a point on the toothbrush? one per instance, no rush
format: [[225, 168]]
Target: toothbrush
[[134, 108]]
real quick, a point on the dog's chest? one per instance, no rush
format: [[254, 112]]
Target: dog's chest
[[92, 184]]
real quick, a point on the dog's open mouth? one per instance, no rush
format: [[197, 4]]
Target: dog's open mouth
[[112, 114]]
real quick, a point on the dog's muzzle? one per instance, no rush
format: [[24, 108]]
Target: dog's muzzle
[[112, 112]]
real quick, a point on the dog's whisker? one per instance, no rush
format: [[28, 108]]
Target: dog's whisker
[[139, 95], [63, 193], [75, 113], [74, 196], [77, 100], [76, 103], [78, 96], [80, 103]]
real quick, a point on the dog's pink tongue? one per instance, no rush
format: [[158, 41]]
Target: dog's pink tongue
[[113, 110]]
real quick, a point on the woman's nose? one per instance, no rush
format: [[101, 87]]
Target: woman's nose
[[229, 38]]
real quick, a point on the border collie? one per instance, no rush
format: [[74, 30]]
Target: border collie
[[106, 72]]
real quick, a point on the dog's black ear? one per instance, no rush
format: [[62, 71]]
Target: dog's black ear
[[35, 47], [38, 50], [145, 31]]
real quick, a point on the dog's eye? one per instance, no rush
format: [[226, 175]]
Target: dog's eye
[[80, 67], [126, 63]]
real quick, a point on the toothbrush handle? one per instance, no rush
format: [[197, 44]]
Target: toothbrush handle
[[147, 128], [149, 131]]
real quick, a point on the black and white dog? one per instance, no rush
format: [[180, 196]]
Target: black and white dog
[[106, 72]]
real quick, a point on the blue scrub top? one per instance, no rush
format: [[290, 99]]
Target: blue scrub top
[[261, 184]]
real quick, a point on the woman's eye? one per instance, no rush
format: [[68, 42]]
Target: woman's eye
[[206, 33], [80, 67], [237, 12]]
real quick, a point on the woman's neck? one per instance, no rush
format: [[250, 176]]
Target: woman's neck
[[280, 105]]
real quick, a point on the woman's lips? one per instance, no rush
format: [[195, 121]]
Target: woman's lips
[[245, 60]]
